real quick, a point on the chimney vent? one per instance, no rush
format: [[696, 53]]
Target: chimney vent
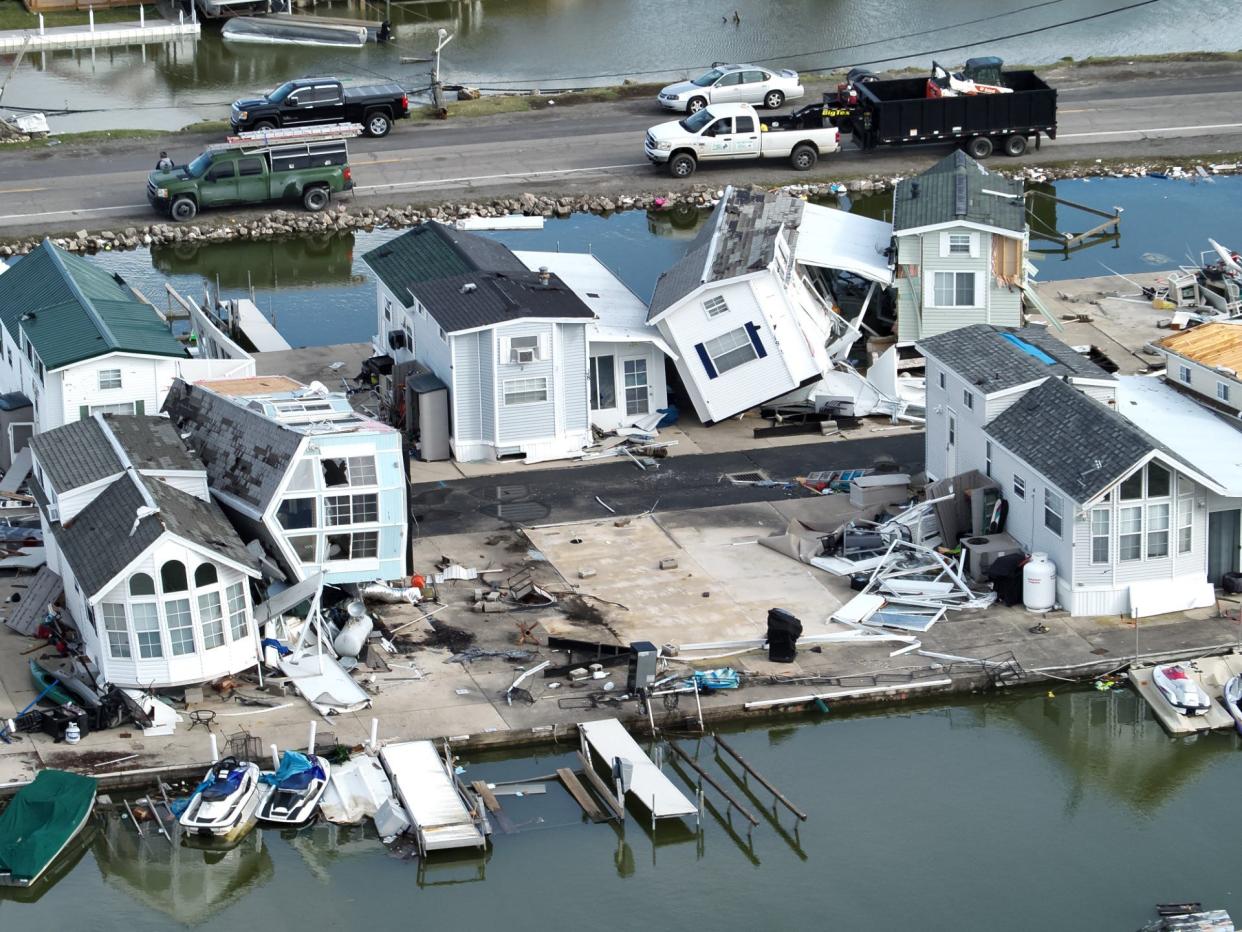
[[468, 287], [544, 276]]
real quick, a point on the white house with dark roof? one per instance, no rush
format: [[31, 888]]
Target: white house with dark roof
[[961, 249], [508, 343], [1206, 361], [320, 485], [156, 580], [1122, 516], [751, 312]]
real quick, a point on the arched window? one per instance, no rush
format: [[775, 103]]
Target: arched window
[[173, 578], [205, 575], [141, 584]]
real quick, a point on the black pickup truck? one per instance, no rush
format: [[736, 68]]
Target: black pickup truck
[[311, 101]]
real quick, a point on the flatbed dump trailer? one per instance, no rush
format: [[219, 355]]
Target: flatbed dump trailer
[[1009, 109]]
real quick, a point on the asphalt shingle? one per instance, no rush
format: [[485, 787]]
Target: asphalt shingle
[[955, 189], [75, 455], [983, 356]]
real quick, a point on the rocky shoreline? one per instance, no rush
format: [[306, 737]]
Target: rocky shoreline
[[345, 218]]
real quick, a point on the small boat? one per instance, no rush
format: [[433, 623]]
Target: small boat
[[49, 686], [1179, 690], [40, 822], [224, 804], [293, 30], [74, 679], [1233, 699], [297, 786]]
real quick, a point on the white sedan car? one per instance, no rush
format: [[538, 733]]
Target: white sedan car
[[733, 84]]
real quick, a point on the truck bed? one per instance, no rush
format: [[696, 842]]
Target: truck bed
[[373, 90]]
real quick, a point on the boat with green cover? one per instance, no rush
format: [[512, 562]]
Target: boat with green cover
[[42, 680], [40, 821]]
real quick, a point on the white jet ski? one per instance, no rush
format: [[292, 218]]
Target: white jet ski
[[296, 788], [224, 806], [1233, 698], [1179, 690]]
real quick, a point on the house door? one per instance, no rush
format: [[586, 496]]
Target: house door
[[637, 394], [950, 447], [1224, 530]]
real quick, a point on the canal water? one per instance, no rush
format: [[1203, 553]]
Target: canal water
[[1042, 811], [317, 290], [511, 44]]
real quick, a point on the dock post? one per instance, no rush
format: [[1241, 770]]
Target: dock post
[[215, 750], [181, 17], [310, 737], [275, 757], [40, 24], [142, 17], [374, 734], [90, 12]]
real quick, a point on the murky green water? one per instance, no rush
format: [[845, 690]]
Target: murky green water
[[319, 291], [1017, 813], [566, 43]]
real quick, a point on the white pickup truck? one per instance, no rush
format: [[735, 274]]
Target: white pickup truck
[[736, 131]]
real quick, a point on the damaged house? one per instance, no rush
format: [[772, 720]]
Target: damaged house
[[752, 311], [295, 467], [156, 580], [1122, 515], [961, 249]]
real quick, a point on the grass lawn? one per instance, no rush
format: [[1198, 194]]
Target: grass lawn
[[14, 16]]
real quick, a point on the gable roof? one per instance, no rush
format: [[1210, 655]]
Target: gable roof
[[1211, 345], [245, 454], [995, 358], [954, 190], [467, 281], [738, 238], [1079, 444], [75, 310], [99, 543], [80, 453]]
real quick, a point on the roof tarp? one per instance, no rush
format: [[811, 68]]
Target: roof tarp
[[41, 819], [833, 239]]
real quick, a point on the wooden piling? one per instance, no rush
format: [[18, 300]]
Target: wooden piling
[[746, 813], [720, 743]]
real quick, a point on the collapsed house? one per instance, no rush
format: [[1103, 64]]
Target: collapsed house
[[156, 580], [322, 486], [753, 311]]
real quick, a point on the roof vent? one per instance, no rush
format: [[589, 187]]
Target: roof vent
[[544, 276], [961, 191], [468, 287]]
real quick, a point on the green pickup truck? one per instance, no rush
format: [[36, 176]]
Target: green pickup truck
[[246, 173]]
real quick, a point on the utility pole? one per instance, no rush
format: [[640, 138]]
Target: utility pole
[[443, 38]]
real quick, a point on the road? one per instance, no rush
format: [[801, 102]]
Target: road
[[1135, 112], [545, 496]]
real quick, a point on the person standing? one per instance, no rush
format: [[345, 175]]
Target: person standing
[[165, 164]]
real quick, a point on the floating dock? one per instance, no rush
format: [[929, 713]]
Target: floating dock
[[257, 329], [1212, 673], [607, 741], [13, 41], [429, 793]]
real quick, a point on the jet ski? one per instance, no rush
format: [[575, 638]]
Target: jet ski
[[224, 804], [1233, 698], [1179, 690], [297, 785]]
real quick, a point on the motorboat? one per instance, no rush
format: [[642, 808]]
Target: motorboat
[[224, 804], [1233, 699], [39, 823], [293, 30], [297, 785], [1179, 690]]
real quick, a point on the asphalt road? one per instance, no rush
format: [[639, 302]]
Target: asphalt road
[[1116, 111], [545, 496]]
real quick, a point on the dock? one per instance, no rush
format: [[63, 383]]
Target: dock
[[1212, 673], [13, 41], [257, 329], [428, 791], [606, 741]]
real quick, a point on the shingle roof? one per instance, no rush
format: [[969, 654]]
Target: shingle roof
[[467, 281], [1079, 444], [985, 357], [245, 454], [953, 190], [75, 310], [80, 453], [739, 237], [99, 543], [151, 442]]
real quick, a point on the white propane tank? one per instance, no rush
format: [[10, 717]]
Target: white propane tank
[[1039, 583], [353, 636]]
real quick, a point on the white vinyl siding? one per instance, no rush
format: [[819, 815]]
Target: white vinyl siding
[[730, 350]]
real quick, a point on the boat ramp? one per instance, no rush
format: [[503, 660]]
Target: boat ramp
[[1211, 673], [46, 39], [425, 784]]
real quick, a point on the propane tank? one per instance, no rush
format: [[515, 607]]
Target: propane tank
[[73, 734], [353, 636], [1039, 583]]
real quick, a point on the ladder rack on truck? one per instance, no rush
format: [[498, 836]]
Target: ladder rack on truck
[[290, 134]]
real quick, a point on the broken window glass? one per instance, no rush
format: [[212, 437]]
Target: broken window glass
[[335, 472], [296, 513]]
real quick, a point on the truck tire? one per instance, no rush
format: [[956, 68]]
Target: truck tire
[[377, 123], [1015, 146], [773, 100], [263, 126], [682, 165], [315, 198], [803, 157], [696, 104], [980, 147], [183, 209]]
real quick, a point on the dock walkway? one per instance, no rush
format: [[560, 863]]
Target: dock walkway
[[430, 796], [609, 740], [1212, 673], [157, 31], [258, 329]]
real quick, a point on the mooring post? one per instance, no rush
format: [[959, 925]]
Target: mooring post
[[275, 757], [374, 735], [90, 12], [310, 737], [215, 750], [142, 17], [40, 24]]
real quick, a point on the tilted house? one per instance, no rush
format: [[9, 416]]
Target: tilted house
[[961, 249], [744, 315], [1207, 361], [295, 467], [509, 344], [156, 580], [1123, 517]]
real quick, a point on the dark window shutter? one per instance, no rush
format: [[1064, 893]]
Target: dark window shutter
[[84, 412], [140, 407], [753, 332], [706, 360]]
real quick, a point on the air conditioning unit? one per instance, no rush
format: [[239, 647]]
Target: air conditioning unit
[[396, 339], [983, 549], [522, 356]]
